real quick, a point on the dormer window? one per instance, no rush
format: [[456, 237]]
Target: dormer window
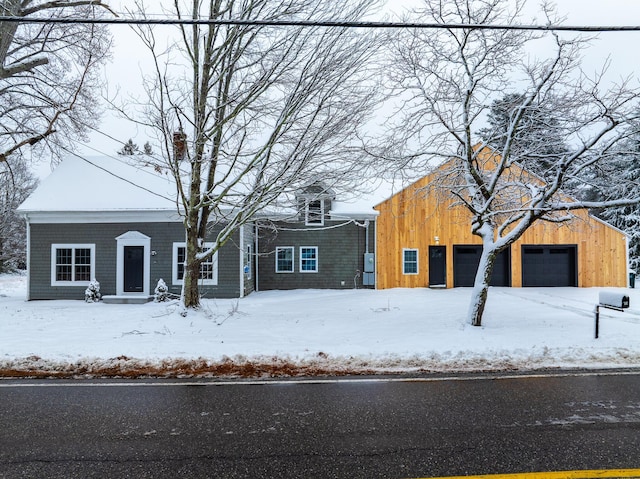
[[314, 204], [314, 212]]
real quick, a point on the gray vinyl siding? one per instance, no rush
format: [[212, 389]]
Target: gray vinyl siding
[[340, 255], [104, 235]]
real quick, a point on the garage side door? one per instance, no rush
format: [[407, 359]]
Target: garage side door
[[549, 265], [465, 264]]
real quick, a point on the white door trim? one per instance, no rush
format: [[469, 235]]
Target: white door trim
[[133, 238]]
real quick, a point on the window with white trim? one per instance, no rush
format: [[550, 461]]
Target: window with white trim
[[314, 212], [409, 261], [208, 268], [284, 259], [72, 264], [308, 259]]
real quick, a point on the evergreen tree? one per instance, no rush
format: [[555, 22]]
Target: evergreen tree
[[131, 149], [537, 138], [146, 149], [625, 169]]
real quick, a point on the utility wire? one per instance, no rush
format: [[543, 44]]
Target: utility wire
[[320, 23], [126, 180]]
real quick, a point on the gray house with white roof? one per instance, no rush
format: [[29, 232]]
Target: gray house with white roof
[[119, 223], [325, 244]]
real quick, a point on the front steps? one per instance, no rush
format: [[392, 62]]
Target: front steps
[[142, 299]]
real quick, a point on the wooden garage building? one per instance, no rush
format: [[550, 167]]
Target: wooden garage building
[[424, 240]]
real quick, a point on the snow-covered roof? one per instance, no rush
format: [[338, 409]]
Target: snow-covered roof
[[370, 194], [97, 184], [118, 185]]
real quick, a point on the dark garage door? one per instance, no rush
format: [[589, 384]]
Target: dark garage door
[[465, 264], [549, 265]]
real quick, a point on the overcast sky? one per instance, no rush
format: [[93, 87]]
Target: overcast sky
[[129, 57]]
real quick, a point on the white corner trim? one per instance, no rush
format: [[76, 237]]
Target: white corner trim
[[28, 257], [241, 261]]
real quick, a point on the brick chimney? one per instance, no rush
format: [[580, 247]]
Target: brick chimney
[[179, 145]]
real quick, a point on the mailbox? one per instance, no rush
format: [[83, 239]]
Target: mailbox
[[614, 300]]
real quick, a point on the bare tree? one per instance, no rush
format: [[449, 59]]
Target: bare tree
[[449, 79], [48, 74], [16, 183], [255, 112]]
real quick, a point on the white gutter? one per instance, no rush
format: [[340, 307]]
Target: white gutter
[[26, 218], [241, 261], [256, 283], [626, 255], [375, 255]]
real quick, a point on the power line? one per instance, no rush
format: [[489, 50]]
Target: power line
[[320, 23], [126, 180]]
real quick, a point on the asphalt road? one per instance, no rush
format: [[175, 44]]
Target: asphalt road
[[332, 429]]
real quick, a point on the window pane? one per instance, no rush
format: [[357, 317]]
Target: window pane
[[308, 260], [314, 212], [63, 256], [73, 264], [410, 263], [63, 273], [82, 264], [206, 268], [83, 273], [181, 253], [247, 263], [284, 260], [206, 271], [410, 268], [83, 256]]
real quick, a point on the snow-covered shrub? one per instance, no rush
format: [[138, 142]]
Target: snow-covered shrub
[[161, 293], [92, 293]]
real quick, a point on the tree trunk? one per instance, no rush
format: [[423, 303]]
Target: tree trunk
[[1, 256], [190, 291], [481, 285]]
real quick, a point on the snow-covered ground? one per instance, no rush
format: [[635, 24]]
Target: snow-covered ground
[[308, 332]]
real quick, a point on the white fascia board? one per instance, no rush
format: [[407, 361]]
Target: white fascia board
[[129, 216], [343, 215]]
